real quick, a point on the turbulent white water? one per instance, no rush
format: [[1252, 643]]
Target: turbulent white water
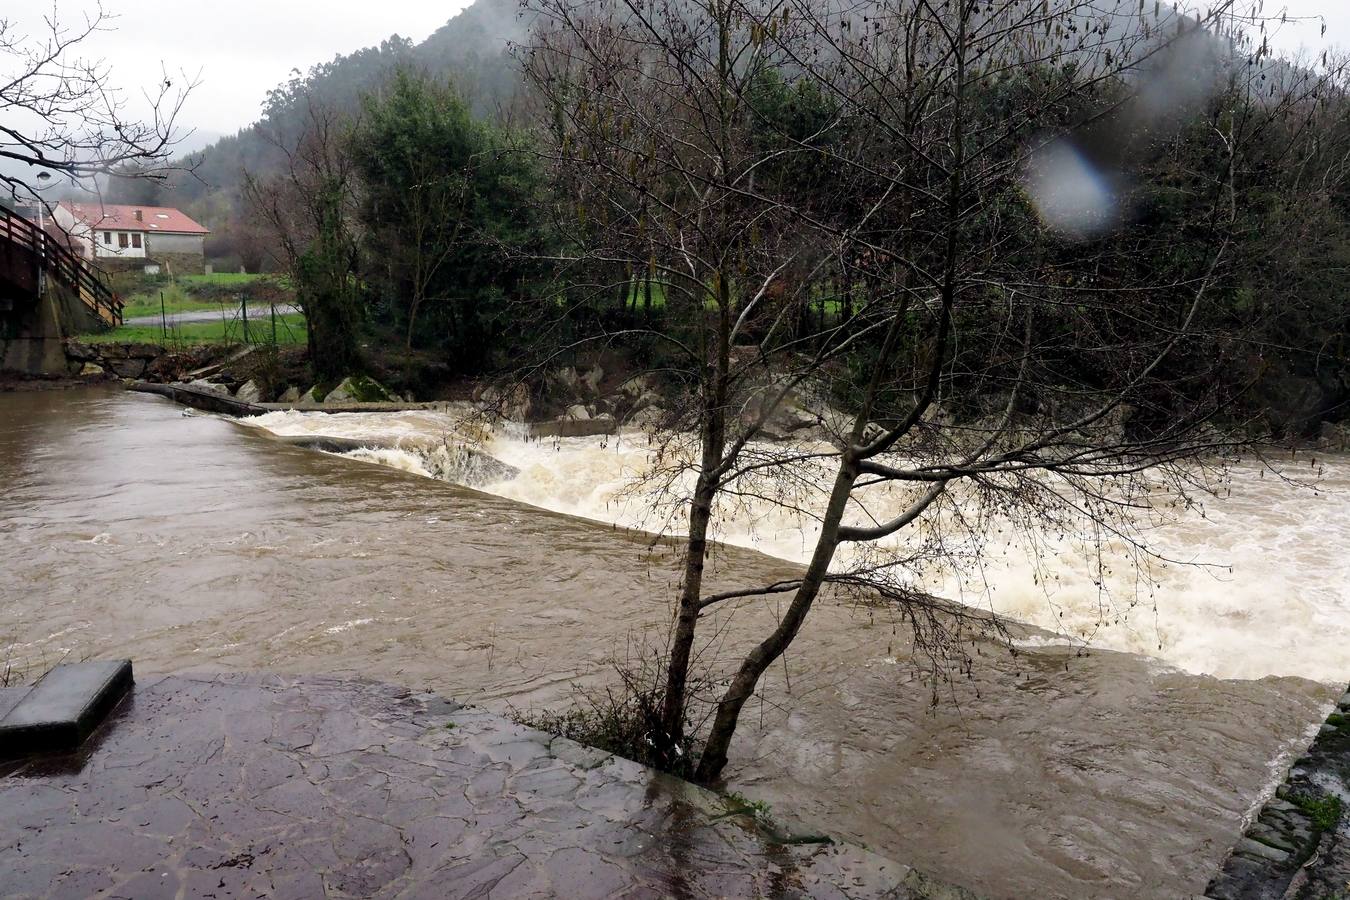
[[1275, 601]]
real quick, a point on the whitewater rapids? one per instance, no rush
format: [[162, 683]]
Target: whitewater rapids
[[1273, 597]]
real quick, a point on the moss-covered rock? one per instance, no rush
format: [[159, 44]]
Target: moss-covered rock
[[358, 389]]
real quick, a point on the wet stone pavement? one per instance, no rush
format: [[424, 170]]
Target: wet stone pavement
[[267, 786]]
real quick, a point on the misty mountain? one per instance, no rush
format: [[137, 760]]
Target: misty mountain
[[471, 48]]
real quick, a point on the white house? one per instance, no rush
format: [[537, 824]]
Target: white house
[[157, 234]]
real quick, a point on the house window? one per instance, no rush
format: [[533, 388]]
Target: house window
[[122, 240], [136, 241], [107, 238]]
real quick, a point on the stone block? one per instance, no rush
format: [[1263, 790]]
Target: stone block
[[64, 708], [130, 367], [1253, 849]]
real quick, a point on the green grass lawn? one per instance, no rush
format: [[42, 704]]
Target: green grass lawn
[[221, 278], [290, 331], [637, 295], [174, 301], [183, 295]]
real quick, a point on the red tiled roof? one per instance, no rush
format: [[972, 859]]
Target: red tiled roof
[[123, 218]]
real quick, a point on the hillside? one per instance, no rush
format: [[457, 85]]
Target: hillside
[[471, 48]]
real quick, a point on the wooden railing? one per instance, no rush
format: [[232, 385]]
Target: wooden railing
[[60, 262]]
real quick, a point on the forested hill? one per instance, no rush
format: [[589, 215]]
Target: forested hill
[[471, 48]]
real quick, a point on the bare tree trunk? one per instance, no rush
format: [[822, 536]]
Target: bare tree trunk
[[696, 553], [686, 622], [713, 440], [757, 662], [412, 319]]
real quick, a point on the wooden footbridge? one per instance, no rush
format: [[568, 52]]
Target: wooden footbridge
[[47, 291]]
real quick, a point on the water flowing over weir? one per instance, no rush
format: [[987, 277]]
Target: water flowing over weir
[[1272, 599], [189, 542]]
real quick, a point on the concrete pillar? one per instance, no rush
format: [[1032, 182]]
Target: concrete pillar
[[31, 334]]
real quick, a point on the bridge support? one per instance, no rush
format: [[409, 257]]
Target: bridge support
[[32, 330], [31, 333]]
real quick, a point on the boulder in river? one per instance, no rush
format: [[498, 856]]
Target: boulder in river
[[514, 404], [591, 380], [249, 392], [202, 384], [128, 367], [358, 389], [648, 418], [290, 395]]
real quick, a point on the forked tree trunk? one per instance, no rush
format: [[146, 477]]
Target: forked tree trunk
[[714, 757]]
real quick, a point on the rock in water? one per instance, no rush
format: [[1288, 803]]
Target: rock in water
[[591, 380], [210, 387], [249, 392], [290, 395], [358, 389]]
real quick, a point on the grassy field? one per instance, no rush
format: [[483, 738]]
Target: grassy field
[[175, 300], [188, 293], [637, 294], [221, 278], [290, 331]]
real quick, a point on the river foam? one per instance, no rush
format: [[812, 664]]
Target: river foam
[[1273, 599]]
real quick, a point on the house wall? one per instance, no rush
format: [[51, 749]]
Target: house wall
[[177, 243], [115, 250], [183, 254]]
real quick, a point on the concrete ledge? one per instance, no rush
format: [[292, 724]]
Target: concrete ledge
[[199, 399], [268, 786], [64, 708]]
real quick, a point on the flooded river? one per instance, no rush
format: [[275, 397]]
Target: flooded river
[[190, 542]]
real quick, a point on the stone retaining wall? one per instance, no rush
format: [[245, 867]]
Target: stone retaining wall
[[1298, 847], [120, 360]]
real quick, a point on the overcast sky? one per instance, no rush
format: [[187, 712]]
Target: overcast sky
[[241, 48], [238, 48]]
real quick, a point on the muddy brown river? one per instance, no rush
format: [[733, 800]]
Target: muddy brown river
[[189, 542]]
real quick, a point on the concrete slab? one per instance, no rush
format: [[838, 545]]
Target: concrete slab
[[10, 697], [270, 786], [64, 708]]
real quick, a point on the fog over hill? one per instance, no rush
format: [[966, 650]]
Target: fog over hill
[[472, 49]]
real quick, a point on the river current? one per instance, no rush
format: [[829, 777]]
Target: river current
[[190, 542]]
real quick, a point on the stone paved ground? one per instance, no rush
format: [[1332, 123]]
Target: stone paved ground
[[263, 786]]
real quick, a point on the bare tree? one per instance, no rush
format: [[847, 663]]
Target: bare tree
[[946, 247], [435, 218], [61, 114], [308, 211]]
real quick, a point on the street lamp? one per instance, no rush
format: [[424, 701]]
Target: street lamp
[[42, 179]]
